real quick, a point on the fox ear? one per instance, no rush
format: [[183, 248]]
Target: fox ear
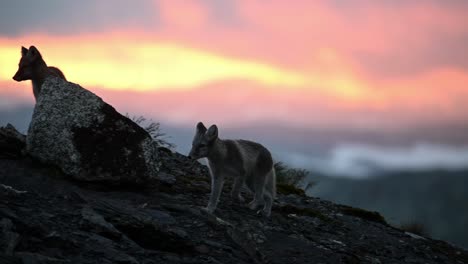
[[201, 128], [212, 133], [24, 51], [33, 51]]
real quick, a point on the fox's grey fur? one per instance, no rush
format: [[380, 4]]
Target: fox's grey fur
[[249, 163], [33, 67]]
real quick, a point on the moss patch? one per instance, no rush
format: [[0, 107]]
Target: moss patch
[[189, 179], [286, 189], [361, 213], [415, 228]]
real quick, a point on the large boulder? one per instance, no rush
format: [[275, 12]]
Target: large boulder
[[87, 138]]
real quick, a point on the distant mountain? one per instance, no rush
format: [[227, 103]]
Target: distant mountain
[[436, 199], [19, 116]]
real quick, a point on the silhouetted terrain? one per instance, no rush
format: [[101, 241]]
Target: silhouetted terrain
[[47, 218], [436, 199], [89, 185]]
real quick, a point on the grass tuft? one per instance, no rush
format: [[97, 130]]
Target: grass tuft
[[154, 129], [289, 180]]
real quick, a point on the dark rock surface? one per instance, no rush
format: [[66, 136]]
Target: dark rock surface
[[46, 218], [12, 142], [87, 138]]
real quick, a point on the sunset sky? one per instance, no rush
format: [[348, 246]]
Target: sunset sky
[[368, 66]]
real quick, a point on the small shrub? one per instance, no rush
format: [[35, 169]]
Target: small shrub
[[287, 175], [289, 180], [154, 129]]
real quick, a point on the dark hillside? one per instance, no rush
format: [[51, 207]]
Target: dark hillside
[[47, 218]]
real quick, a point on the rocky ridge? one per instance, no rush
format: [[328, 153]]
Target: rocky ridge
[[46, 217]]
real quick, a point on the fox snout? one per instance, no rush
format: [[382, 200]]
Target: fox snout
[[195, 154], [192, 155], [17, 77], [21, 75]]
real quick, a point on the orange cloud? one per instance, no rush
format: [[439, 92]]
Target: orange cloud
[[136, 62], [143, 65], [147, 65], [240, 103]]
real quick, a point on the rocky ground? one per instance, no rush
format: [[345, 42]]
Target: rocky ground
[[47, 218]]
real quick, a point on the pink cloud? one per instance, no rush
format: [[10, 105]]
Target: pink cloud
[[13, 94], [183, 15], [379, 39]]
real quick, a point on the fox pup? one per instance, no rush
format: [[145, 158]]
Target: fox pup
[[33, 67], [249, 163]]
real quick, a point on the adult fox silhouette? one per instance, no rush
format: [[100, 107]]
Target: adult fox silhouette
[[33, 67], [249, 163]]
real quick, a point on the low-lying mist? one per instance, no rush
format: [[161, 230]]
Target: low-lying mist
[[362, 160]]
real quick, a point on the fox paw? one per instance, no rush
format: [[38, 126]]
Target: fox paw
[[238, 198], [253, 205], [208, 209], [264, 212]]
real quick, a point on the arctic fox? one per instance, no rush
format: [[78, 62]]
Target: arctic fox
[[249, 163], [33, 67]]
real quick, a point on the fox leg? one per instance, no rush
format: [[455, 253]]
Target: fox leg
[[268, 204], [236, 187], [217, 182], [259, 186], [269, 192]]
